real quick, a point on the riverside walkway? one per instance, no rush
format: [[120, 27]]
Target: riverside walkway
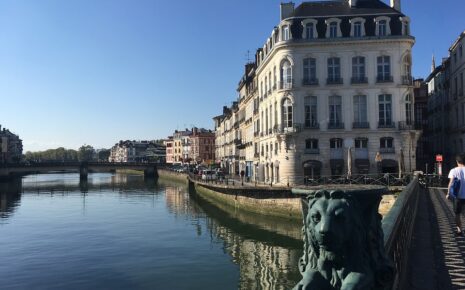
[[436, 256]]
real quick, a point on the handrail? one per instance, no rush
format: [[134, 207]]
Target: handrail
[[398, 227]]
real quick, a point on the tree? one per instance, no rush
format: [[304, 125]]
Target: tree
[[86, 153], [103, 155]]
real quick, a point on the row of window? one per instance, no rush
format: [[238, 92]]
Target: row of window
[[335, 109], [385, 143], [309, 65]]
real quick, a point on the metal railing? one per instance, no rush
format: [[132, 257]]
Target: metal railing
[[360, 125], [383, 179], [359, 80], [384, 79], [398, 227], [407, 80], [334, 81], [310, 82], [336, 125]]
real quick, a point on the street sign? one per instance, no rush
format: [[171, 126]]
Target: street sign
[[439, 158]]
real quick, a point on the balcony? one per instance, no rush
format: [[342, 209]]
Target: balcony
[[270, 131], [334, 81], [387, 150], [403, 125], [361, 125], [274, 87], [289, 84], [256, 134], [255, 111], [296, 128], [256, 155], [310, 82], [384, 79], [359, 80], [269, 92], [314, 126], [384, 125], [335, 125], [407, 80], [312, 151]]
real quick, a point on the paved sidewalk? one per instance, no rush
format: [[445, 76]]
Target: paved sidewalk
[[437, 257]]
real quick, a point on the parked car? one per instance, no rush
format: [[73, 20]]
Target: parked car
[[209, 175]]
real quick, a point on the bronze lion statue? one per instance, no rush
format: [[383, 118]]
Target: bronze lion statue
[[343, 244]]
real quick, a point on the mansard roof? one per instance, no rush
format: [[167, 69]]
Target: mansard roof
[[342, 8]]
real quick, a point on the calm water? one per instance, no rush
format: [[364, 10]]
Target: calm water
[[120, 232]]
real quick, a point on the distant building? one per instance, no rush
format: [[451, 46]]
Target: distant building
[[11, 147], [202, 149], [138, 151], [456, 113], [420, 97], [181, 146], [169, 145]]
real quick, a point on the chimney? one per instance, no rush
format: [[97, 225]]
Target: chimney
[[353, 3], [395, 4], [287, 9]]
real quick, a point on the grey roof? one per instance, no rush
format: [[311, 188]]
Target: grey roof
[[342, 8]]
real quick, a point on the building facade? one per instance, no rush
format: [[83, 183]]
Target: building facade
[[456, 106], [202, 148], [333, 81], [11, 147], [138, 151]]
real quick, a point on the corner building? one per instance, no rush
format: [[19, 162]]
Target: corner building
[[334, 79]]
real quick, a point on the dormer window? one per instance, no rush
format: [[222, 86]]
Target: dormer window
[[333, 29], [309, 29], [382, 26], [286, 34], [405, 25], [357, 27]]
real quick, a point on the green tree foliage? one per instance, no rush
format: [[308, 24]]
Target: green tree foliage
[[59, 154], [86, 153], [103, 155]]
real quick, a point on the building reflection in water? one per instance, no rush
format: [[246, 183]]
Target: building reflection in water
[[10, 197], [266, 255]]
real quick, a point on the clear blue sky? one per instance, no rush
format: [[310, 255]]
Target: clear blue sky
[[96, 71]]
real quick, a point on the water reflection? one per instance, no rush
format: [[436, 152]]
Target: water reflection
[[267, 254], [10, 197], [263, 251]]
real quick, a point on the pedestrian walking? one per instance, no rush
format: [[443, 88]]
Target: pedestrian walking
[[459, 198]]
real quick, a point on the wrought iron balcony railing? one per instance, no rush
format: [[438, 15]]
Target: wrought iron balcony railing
[[360, 125], [384, 79], [310, 82], [334, 81], [335, 125], [359, 80]]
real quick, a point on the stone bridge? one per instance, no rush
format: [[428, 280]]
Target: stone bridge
[[8, 171]]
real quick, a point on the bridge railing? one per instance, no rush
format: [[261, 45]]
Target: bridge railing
[[398, 227]]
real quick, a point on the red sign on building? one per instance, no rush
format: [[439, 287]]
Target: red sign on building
[[439, 158]]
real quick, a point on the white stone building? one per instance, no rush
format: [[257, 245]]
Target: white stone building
[[334, 75]]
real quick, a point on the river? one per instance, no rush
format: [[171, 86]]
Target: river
[[121, 232]]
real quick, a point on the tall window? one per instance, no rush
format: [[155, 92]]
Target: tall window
[[384, 68], [333, 30], [358, 29], [386, 142], [335, 112], [335, 143], [385, 110], [310, 104], [269, 82], [360, 112], [274, 78], [334, 70], [286, 75], [287, 114], [266, 86], [286, 33], [311, 146], [361, 143], [382, 28], [358, 69], [309, 71], [408, 110], [309, 30]]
